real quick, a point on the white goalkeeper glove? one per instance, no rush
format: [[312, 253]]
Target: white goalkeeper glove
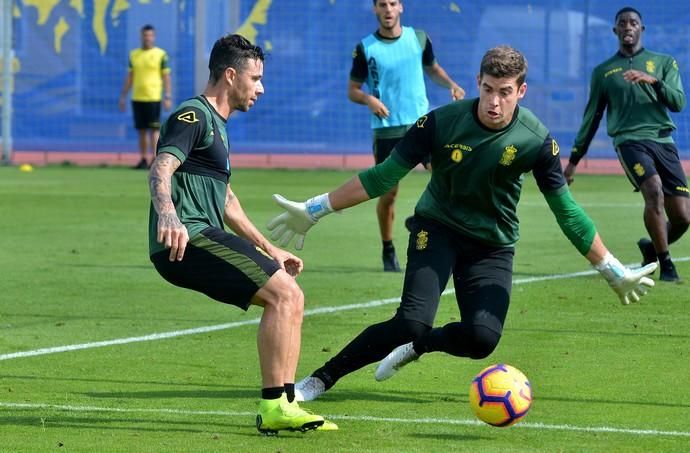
[[629, 284], [297, 218]]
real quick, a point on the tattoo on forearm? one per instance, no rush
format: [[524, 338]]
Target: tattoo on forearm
[[159, 182]]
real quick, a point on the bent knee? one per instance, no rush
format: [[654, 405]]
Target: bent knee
[[389, 197], [283, 292], [483, 342]]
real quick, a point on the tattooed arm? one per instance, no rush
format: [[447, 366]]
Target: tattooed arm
[[171, 231], [235, 217]]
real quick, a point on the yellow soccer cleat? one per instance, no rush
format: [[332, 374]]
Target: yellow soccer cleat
[[279, 414], [327, 426]]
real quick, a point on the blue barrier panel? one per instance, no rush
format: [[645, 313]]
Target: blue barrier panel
[[71, 62]]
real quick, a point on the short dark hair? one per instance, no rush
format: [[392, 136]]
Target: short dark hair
[[504, 61], [376, 1], [627, 9], [147, 27], [231, 51]]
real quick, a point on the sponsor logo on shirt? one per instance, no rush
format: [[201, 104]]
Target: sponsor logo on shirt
[[554, 148], [682, 189], [421, 121], [456, 154], [612, 71], [508, 155]]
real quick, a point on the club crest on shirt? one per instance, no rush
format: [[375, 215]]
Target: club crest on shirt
[[508, 155], [188, 117], [638, 169], [422, 240], [650, 66]]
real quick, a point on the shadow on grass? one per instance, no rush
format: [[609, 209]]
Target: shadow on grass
[[338, 395], [113, 381], [107, 266], [253, 393], [453, 437], [52, 421]]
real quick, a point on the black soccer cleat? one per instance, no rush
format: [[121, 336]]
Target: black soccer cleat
[[667, 272], [390, 261], [647, 249]]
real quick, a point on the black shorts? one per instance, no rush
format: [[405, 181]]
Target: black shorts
[[147, 115], [223, 266], [645, 158], [482, 276], [384, 146]]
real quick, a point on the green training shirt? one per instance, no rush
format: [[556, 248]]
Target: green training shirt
[[195, 134], [634, 111], [478, 172]]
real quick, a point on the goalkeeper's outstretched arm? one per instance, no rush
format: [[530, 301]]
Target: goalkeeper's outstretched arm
[[300, 216]]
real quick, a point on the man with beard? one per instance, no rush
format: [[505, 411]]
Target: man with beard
[[392, 62]]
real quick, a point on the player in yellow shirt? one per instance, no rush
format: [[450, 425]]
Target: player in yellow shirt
[[148, 73]]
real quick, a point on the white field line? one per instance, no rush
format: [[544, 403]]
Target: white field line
[[355, 418], [232, 325]]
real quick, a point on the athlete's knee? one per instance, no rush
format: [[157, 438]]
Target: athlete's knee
[[653, 193], [284, 294], [389, 197], [682, 220], [483, 341]]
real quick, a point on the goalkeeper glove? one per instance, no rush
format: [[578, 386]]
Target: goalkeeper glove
[[628, 284], [297, 218]]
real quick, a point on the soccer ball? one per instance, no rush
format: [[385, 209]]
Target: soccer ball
[[500, 395]]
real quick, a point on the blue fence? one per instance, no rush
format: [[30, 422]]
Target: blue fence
[[71, 59]]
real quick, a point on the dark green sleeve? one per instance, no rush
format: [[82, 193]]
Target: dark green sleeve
[[428, 57], [360, 69], [670, 88], [594, 111], [573, 220], [381, 178]]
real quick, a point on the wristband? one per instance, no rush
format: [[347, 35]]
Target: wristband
[[318, 206], [610, 266]]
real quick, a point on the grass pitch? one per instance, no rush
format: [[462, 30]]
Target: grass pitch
[[74, 270]]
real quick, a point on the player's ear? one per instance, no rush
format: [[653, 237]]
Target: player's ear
[[479, 80], [522, 90], [230, 74]]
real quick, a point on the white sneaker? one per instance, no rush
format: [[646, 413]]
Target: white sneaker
[[309, 388], [398, 358]]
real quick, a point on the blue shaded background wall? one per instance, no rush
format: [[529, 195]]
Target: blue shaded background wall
[[71, 59]]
